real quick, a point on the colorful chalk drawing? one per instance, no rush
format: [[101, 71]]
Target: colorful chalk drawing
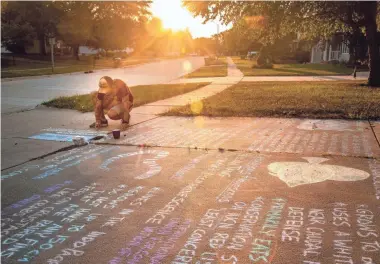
[[154, 168], [299, 173], [335, 125], [76, 132], [59, 137]]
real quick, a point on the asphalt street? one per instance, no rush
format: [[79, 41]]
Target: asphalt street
[[26, 93]]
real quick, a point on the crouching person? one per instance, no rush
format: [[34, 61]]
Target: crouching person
[[116, 97]]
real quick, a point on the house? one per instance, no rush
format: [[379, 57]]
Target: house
[[333, 49]]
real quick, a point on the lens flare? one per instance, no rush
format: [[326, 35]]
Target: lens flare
[[187, 66], [199, 121], [196, 107]]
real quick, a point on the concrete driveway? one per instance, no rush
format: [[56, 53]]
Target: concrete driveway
[[207, 190], [24, 93]]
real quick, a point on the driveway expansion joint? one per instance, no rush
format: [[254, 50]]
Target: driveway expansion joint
[[373, 131], [45, 155], [235, 150]]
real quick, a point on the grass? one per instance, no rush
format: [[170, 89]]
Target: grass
[[143, 94], [314, 69], [349, 100], [19, 72], [217, 68], [34, 67]]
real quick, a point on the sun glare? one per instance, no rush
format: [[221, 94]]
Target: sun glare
[[176, 17], [172, 14]]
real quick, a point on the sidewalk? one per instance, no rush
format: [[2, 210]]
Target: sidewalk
[[17, 147], [217, 85]]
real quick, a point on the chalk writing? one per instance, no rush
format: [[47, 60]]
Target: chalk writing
[[294, 222], [179, 174], [245, 172], [374, 167], [208, 220], [73, 251], [244, 230], [154, 168], [19, 171], [161, 214], [262, 246], [56, 170]]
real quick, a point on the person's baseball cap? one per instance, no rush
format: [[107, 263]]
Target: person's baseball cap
[[105, 84]]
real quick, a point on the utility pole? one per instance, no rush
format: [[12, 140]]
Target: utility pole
[[52, 42], [217, 37]]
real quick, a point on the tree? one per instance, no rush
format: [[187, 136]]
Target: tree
[[274, 20], [155, 40], [94, 23], [240, 38], [34, 19], [16, 31], [118, 24], [107, 25], [76, 25], [205, 46]]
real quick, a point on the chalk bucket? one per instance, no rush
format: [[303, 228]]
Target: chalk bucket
[[116, 133]]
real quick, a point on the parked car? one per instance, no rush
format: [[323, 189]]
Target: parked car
[[252, 54]]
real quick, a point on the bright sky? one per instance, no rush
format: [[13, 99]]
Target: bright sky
[[176, 17]]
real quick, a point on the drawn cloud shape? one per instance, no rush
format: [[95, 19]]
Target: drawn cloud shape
[[300, 173]]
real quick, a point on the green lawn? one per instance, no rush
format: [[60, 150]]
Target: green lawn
[[215, 69], [143, 94], [23, 72], [35, 67], [332, 99], [291, 69]]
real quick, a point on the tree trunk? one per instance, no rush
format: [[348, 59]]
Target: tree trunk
[[373, 45], [352, 49], [41, 39], [76, 51]]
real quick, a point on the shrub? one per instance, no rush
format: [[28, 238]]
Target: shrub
[[110, 54], [212, 61], [302, 56], [102, 53], [264, 59], [334, 62]]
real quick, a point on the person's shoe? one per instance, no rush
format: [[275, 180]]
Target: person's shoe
[[126, 121], [104, 123]]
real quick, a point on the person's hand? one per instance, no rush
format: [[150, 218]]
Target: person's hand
[[123, 126], [98, 124]]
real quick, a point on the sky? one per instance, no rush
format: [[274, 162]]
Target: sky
[[176, 17]]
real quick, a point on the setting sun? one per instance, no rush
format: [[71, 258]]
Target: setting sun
[[172, 14], [176, 17]]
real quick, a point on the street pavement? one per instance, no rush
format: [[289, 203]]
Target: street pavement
[[201, 190], [25, 93]]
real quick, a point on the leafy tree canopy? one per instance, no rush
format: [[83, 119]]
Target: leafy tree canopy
[[272, 20]]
